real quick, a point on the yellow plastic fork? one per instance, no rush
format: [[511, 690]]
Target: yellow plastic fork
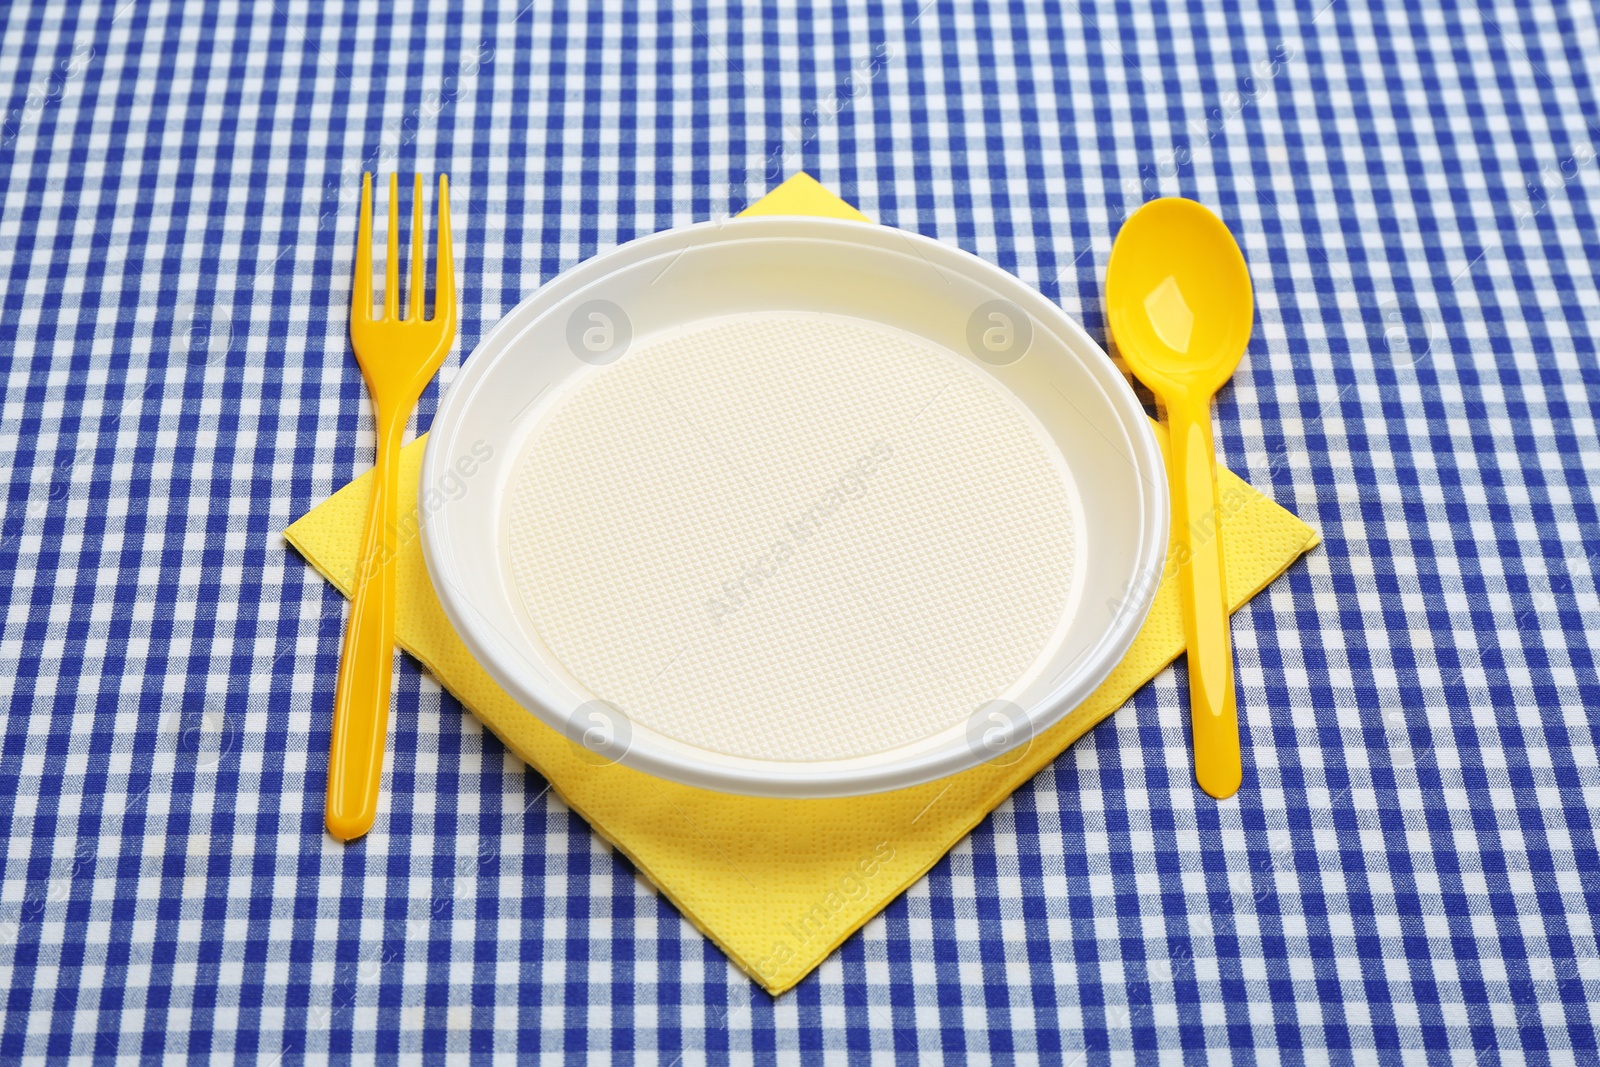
[[398, 358]]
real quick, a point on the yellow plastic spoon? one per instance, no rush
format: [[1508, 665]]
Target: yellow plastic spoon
[[1180, 308]]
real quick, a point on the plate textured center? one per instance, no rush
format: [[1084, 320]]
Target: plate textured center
[[792, 537]]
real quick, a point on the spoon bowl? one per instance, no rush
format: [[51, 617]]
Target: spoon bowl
[[1178, 297]]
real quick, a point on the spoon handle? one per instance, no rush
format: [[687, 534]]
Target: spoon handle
[[1203, 582]]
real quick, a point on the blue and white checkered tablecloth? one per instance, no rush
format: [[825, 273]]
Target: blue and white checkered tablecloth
[[1410, 873]]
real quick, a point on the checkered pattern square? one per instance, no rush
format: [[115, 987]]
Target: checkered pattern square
[[1410, 873]]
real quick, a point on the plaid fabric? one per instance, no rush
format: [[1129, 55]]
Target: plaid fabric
[[1410, 873]]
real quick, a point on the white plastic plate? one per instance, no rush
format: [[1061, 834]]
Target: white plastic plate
[[793, 507]]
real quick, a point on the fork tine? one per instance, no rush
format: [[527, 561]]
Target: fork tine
[[444, 287], [419, 255], [391, 262], [361, 290]]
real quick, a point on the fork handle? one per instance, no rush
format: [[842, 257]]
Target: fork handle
[[366, 668]]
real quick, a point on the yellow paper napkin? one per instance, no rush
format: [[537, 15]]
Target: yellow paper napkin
[[778, 884]]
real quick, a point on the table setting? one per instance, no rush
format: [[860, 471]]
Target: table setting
[[705, 533]]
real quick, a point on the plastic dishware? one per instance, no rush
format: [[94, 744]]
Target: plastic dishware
[[793, 507]]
